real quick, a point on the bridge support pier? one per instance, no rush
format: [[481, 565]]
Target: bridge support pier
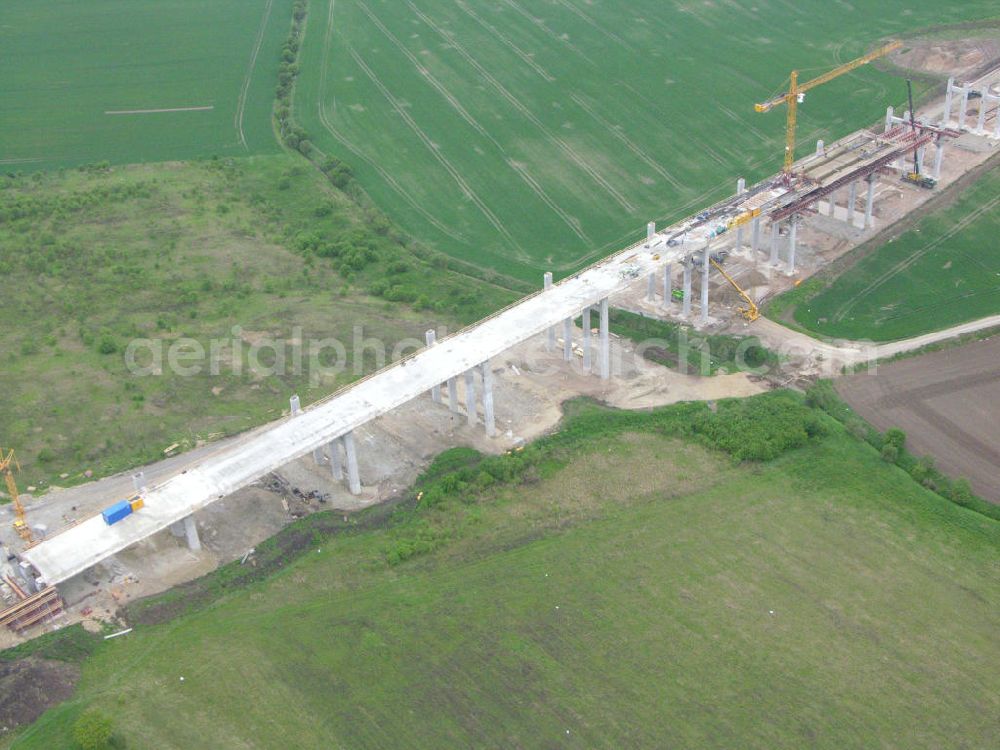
[[568, 339], [774, 243], [550, 343], [191, 532], [453, 394], [946, 115], [793, 227], [704, 286], [755, 235], [870, 201], [939, 155], [431, 338], [470, 396], [651, 287], [668, 287], [489, 418], [686, 303], [586, 339], [294, 406], [852, 201], [605, 341], [336, 465], [353, 478]]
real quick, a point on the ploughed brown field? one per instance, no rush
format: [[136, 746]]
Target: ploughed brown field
[[947, 402]]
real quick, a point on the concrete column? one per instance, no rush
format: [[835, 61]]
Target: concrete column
[[668, 288], [453, 394], [774, 243], [489, 419], [550, 343], [947, 103], [586, 339], [870, 201], [704, 286], [793, 226], [568, 339], [139, 481], [605, 341], [191, 532], [650, 233], [939, 157], [470, 396], [755, 234], [996, 130], [819, 147], [294, 405], [981, 122], [852, 200], [965, 107], [920, 159], [888, 119], [686, 304], [353, 478], [336, 467], [651, 287], [831, 205], [317, 456], [431, 338]]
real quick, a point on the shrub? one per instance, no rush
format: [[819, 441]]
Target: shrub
[[890, 453], [107, 344], [92, 730], [896, 437]]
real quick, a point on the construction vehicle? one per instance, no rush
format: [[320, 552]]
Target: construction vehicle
[[8, 460], [914, 177], [796, 94], [743, 218], [751, 312]]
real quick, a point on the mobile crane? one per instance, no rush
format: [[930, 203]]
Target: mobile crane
[[751, 312], [8, 460], [796, 94]]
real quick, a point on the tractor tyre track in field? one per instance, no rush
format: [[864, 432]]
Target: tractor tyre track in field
[[540, 23], [527, 113], [241, 101], [456, 175], [506, 41], [389, 179], [591, 22], [909, 261]]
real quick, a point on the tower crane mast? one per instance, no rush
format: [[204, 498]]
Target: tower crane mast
[[8, 460]]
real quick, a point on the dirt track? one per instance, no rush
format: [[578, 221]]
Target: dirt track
[[946, 403]]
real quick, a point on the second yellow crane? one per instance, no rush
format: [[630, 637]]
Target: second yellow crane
[[8, 460], [796, 93]]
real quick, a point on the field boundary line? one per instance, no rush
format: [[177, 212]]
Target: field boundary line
[[205, 108], [241, 100]]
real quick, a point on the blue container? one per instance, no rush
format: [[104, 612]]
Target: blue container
[[116, 512]]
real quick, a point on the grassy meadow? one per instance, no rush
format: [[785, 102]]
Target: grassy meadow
[[618, 584], [95, 258], [943, 271], [524, 136], [68, 64]]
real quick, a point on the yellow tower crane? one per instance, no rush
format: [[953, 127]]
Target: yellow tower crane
[[7, 460], [796, 93]]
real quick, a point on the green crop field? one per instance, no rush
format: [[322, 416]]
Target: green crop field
[[622, 587], [68, 64], [942, 272], [529, 135]]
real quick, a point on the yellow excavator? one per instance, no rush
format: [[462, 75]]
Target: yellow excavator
[[751, 312], [8, 460]]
